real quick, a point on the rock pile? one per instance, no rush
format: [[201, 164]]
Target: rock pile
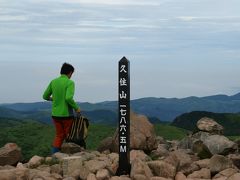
[[165, 160], [209, 140], [142, 136]]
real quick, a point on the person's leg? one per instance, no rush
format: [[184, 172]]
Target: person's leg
[[67, 126], [59, 137]]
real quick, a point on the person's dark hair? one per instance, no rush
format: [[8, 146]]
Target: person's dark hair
[[67, 68]]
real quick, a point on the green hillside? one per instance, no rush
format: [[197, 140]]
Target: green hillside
[[170, 132], [230, 122], [35, 138]]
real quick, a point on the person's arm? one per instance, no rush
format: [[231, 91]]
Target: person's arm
[[69, 96], [47, 93]]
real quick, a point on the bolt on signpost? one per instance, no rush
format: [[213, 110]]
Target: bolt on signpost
[[124, 116]]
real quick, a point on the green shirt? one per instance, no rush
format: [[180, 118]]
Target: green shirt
[[62, 91]]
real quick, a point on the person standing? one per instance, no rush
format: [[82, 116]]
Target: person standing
[[61, 91]]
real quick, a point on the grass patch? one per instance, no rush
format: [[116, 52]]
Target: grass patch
[[98, 132], [170, 132]]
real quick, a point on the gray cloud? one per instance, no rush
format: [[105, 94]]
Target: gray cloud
[[185, 41]]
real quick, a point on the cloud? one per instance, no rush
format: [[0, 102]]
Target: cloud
[[118, 2], [7, 18], [223, 19]]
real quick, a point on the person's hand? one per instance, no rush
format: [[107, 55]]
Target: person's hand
[[78, 110], [78, 113]]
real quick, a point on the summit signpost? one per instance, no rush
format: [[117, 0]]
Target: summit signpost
[[124, 116]]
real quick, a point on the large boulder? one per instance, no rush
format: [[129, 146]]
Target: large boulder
[[219, 163], [209, 125], [206, 144], [235, 159], [162, 169], [70, 164], [218, 144], [10, 154], [105, 144], [94, 165], [18, 173], [140, 167], [201, 174], [138, 154], [226, 173], [234, 177], [37, 174], [142, 134], [103, 174], [161, 151]]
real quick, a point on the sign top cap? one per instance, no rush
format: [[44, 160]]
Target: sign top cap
[[124, 59]]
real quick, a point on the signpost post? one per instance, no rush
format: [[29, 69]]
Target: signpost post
[[124, 116]]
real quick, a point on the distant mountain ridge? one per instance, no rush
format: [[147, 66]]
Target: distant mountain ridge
[[165, 109]]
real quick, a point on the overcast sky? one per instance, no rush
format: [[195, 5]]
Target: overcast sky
[[176, 48]]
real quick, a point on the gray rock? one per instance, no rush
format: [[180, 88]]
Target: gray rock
[[190, 169], [160, 140], [120, 178], [6, 167], [220, 145], [201, 135], [103, 174], [35, 161], [179, 159], [114, 157], [71, 148], [186, 143], [219, 163], [37, 174], [95, 165], [234, 177], [206, 145], [10, 154], [91, 176], [159, 178], [142, 134], [139, 177], [162, 169], [226, 173], [66, 178], [70, 164], [201, 149], [57, 169], [180, 176], [59, 156], [83, 173], [204, 163], [138, 154], [161, 151], [235, 159], [201, 174], [18, 173], [209, 125], [106, 144], [44, 168], [86, 156], [140, 167]]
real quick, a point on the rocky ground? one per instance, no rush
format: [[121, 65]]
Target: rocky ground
[[205, 154]]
